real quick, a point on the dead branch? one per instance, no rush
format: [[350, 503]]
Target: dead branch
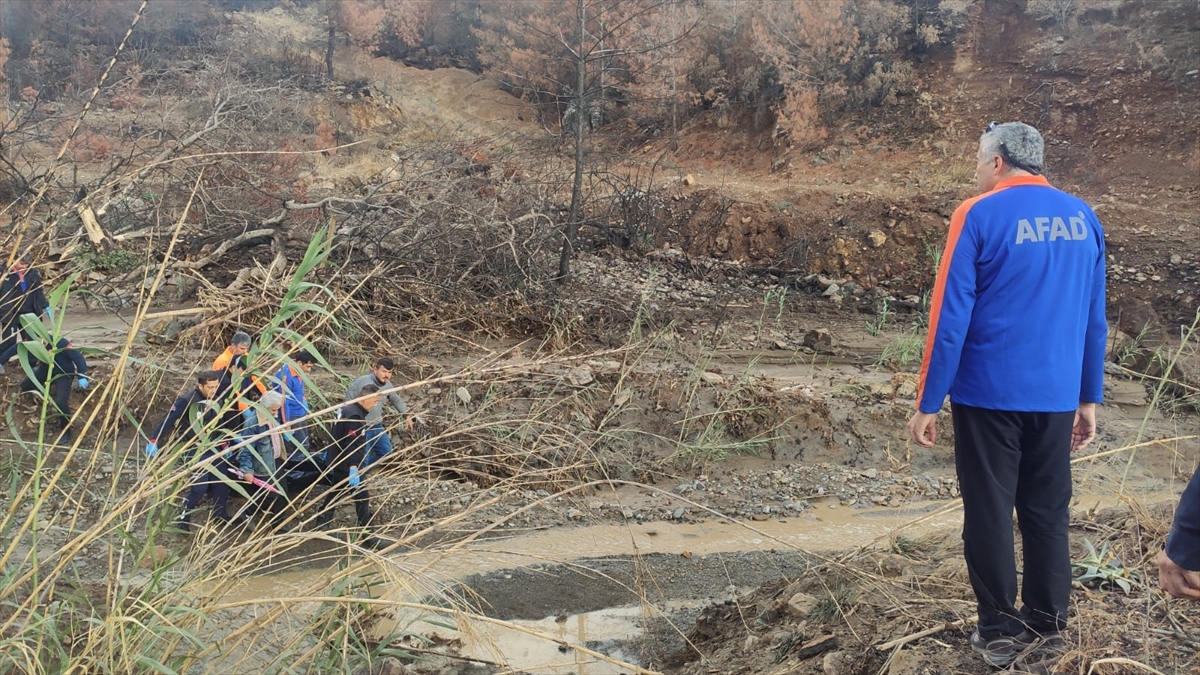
[[890, 645], [221, 250]]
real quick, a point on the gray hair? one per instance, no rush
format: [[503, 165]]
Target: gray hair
[[267, 401], [240, 338], [1018, 144], [270, 399]]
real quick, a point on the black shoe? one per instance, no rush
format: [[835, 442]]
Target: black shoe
[[182, 524], [1050, 643], [999, 652], [375, 543]]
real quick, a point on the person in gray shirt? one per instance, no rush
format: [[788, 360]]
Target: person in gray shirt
[[379, 443]]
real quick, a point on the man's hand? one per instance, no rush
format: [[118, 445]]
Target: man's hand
[[922, 429], [1084, 431], [248, 477], [408, 423], [1177, 581], [354, 480]]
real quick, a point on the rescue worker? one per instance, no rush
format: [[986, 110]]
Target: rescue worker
[[348, 453], [290, 383], [1017, 336], [67, 367], [379, 442], [199, 415], [21, 292], [239, 346]]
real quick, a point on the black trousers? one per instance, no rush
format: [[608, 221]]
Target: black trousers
[[60, 392], [1021, 460], [204, 482], [338, 490]]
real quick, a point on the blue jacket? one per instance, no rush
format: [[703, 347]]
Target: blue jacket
[[1183, 543], [291, 385], [1016, 321]]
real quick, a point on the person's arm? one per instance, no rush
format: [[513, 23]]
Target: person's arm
[[397, 402], [356, 442], [167, 426], [78, 361], [1096, 338], [1183, 543], [37, 294], [950, 310]]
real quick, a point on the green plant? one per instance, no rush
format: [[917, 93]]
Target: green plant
[[118, 260], [875, 326], [1101, 568], [907, 349]]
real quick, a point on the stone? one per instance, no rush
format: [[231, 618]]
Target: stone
[[750, 643], [905, 662], [877, 238], [712, 378], [800, 604], [689, 180], [833, 290], [838, 663], [1176, 259], [818, 339], [678, 513], [580, 376]]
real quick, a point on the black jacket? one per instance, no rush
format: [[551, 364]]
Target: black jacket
[[349, 444], [15, 301], [170, 429], [234, 387], [68, 362]]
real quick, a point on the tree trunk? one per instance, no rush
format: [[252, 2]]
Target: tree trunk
[[329, 48], [572, 226]]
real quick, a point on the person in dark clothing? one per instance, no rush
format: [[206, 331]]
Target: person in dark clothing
[[234, 388], [67, 366], [1179, 562], [197, 406], [348, 453], [20, 293]]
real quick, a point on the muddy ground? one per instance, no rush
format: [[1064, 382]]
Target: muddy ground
[[703, 467]]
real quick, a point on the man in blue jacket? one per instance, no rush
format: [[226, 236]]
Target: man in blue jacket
[[1017, 337], [1179, 562], [290, 382]]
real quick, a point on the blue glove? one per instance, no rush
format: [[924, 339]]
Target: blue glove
[[354, 479], [83, 383], [49, 314], [152, 449]]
